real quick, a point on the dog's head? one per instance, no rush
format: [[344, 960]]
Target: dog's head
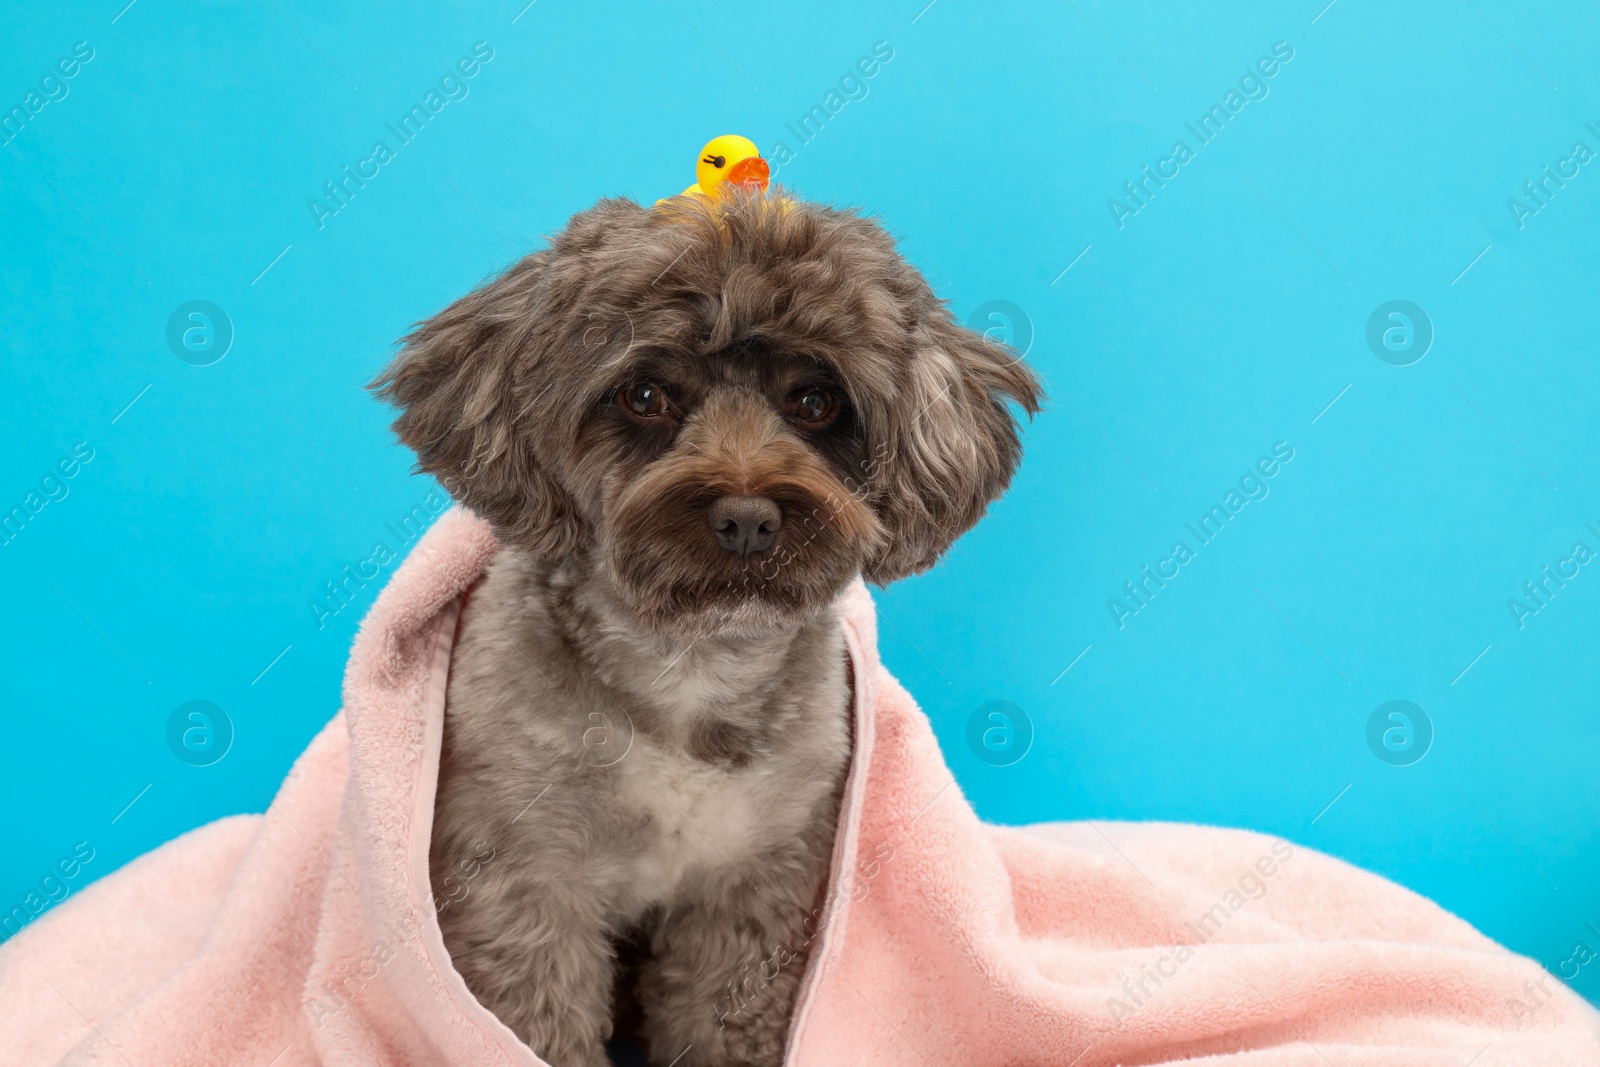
[[731, 406]]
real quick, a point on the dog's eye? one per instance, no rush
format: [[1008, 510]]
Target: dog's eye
[[815, 408], [644, 400]]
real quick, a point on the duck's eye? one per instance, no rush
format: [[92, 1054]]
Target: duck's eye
[[644, 400], [716, 161], [815, 408]]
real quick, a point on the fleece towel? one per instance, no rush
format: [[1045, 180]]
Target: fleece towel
[[308, 934]]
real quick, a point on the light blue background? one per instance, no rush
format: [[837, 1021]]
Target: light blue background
[[1223, 317]]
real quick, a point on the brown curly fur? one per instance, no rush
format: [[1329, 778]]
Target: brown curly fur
[[718, 680]]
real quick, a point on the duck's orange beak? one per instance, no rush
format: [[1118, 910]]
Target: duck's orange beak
[[753, 171]]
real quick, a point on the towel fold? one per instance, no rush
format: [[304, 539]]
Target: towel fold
[[308, 935]]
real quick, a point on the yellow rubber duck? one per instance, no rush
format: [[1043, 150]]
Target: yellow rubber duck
[[728, 160]]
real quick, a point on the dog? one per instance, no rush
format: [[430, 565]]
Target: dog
[[690, 427]]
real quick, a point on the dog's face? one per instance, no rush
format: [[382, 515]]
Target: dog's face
[[731, 407]]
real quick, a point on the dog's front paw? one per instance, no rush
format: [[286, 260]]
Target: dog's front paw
[[562, 1052]]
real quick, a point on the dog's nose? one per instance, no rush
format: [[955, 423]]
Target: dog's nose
[[745, 524]]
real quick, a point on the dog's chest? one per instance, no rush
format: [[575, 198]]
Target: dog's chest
[[703, 817]]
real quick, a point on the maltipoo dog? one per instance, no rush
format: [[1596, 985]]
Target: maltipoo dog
[[691, 428]]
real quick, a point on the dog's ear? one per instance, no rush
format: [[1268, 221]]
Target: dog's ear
[[947, 446], [462, 384]]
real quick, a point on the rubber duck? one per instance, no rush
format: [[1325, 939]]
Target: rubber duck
[[728, 160]]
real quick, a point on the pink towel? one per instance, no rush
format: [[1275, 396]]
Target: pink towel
[[308, 935]]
